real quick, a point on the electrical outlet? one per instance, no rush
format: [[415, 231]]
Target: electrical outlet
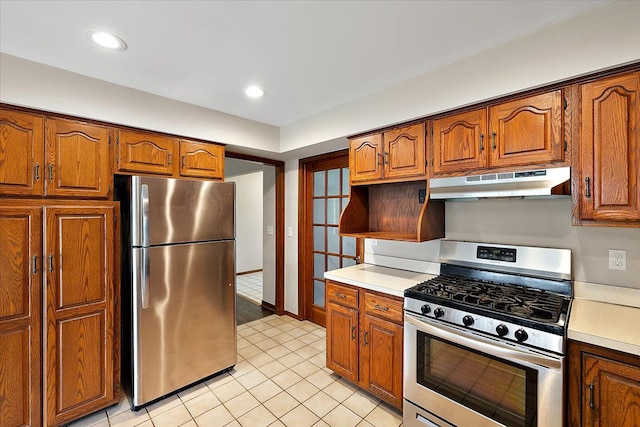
[[269, 230], [617, 259], [290, 231]]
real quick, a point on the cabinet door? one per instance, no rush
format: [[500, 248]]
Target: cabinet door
[[609, 149], [21, 153], [527, 131], [381, 371], [404, 152], [342, 341], [611, 393], [460, 142], [365, 158], [79, 312], [145, 153], [200, 160], [20, 321], [77, 159]]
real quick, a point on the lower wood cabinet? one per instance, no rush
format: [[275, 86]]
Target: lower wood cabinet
[[604, 387], [59, 287], [364, 339]]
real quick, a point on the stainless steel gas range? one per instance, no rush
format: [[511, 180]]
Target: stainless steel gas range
[[484, 342]]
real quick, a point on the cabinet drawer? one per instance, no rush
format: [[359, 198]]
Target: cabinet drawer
[[385, 307], [342, 295]]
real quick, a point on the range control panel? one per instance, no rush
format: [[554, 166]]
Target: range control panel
[[496, 254]]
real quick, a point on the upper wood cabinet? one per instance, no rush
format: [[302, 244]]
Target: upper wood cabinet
[[397, 154], [606, 174], [145, 152], [522, 132], [53, 157], [20, 316], [77, 159], [151, 153], [201, 160], [21, 153]]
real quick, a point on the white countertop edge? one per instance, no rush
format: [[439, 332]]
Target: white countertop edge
[[618, 295], [378, 278], [604, 342]]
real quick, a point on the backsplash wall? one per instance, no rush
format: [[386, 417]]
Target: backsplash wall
[[530, 222]]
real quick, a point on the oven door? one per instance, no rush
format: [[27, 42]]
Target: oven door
[[469, 379]]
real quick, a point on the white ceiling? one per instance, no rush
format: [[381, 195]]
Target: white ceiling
[[310, 56]]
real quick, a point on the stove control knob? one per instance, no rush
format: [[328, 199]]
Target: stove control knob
[[521, 335], [502, 330], [438, 312], [467, 320], [425, 309]]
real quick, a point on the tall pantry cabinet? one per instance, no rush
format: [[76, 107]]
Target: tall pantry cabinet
[[59, 292]]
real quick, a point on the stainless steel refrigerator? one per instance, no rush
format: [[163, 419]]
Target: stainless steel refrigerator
[[178, 283]]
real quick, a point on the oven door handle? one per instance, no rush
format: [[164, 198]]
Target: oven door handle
[[485, 345]]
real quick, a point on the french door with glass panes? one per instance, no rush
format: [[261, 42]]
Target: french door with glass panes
[[325, 193]]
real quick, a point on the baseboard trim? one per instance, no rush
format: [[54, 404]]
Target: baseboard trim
[[268, 306], [295, 316], [248, 272]]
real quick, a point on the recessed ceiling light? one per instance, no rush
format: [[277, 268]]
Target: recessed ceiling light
[[254, 92], [107, 40]]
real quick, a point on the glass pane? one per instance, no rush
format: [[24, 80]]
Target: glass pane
[[333, 211], [318, 183], [333, 262], [333, 182], [318, 238], [318, 211], [345, 181], [318, 293], [333, 240], [349, 246], [348, 262], [344, 202], [318, 266]]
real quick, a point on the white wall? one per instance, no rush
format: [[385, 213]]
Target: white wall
[[269, 241], [249, 207], [532, 222], [30, 84], [291, 242], [608, 36]]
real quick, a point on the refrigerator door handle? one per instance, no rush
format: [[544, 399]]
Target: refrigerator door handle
[[144, 280], [144, 196]]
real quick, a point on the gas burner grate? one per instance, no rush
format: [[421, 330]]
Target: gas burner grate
[[518, 301]]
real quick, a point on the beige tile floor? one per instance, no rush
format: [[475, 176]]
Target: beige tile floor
[[280, 380], [250, 286]]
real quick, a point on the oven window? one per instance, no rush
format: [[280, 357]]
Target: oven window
[[500, 390]]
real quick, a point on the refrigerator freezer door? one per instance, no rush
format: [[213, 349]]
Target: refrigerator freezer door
[[188, 332], [181, 211]]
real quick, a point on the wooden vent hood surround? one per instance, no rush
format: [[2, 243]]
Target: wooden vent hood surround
[[393, 211]]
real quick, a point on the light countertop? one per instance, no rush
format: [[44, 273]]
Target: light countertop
[[606, 316], [376, 278]]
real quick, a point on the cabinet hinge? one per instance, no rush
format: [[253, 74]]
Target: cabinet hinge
[[565, 145], [566, 103], [115, 219]]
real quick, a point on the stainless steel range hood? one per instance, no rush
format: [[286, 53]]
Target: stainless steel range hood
[[530, 183]]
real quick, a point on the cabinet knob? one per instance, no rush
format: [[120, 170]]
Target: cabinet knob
[[353, 333], [481, 142], [50, 171], [35, 265], [493, 141], [591, 403], [36, 172]]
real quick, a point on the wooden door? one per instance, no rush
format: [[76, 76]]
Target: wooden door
[[460, 142], [404, 152], [611, 393], [77, 160], [527, 131], [79, 343], [20, 321], [200, 160], [21, 153], [366, 158], [609, 149], [381, 367], [342, 341], [145, 152], [325, 193]]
